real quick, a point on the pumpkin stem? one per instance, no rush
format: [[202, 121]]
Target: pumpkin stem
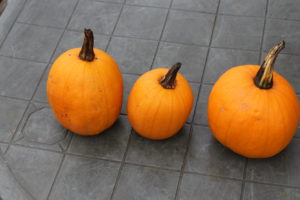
[[87, 50], [168, 81], [264, 76]]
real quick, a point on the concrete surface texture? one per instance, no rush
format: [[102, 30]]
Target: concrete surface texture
[[41, 160]]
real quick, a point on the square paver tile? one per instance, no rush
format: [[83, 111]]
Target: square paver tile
[[34, 169], [72, 39], [146, 183], [165, 153], [39, 128], [156, 3], [277, 30], [111, 144], [195, 88], [129, 81], [55, 13], [19, 78], [254, 191], [197, 5], [41, 93], [31, 42], [98, 16], [11, 112], [132, 55], [207, 156], [256, 8], [284, 9], [188, 27], [195, 187], [238, 32], [201, 110], [281, 169], [220, 60], [141, 22], [192, 58], [85, 178]]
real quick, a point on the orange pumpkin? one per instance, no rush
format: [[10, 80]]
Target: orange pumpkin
[[253, 110], [160, 103], [85, 89]]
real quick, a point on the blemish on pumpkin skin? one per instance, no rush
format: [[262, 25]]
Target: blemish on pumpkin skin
[[244, 106]]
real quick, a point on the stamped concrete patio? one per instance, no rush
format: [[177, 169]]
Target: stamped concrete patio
[[41, 160]]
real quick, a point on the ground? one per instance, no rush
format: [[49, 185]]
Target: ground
[[41, 160]]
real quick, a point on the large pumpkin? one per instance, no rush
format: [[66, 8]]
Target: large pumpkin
[[253, 110], [85, 89], [160, 103]]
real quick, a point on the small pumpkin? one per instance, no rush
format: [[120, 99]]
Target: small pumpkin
[[85, 88], [253, 110], [160, 103]]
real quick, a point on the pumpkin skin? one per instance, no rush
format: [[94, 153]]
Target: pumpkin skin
[[86, 96], [155, 112], [253, 122]]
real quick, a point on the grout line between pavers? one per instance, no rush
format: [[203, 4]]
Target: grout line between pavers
[[24, 59], [243, 180], [15, 98], [246, 181], [161, 35], [115, 26], [121, 166], [214, 176], [273, 184], [59, 167], [196, 103], [38, 25], [65, 152], [263, 33], [152, 166]]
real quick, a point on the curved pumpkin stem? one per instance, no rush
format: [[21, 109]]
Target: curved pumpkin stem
[[87, 50], [264, 76], [168, 81]]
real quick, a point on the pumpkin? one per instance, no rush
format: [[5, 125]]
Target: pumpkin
[[85, 88], [253, 110], [159, 103]]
